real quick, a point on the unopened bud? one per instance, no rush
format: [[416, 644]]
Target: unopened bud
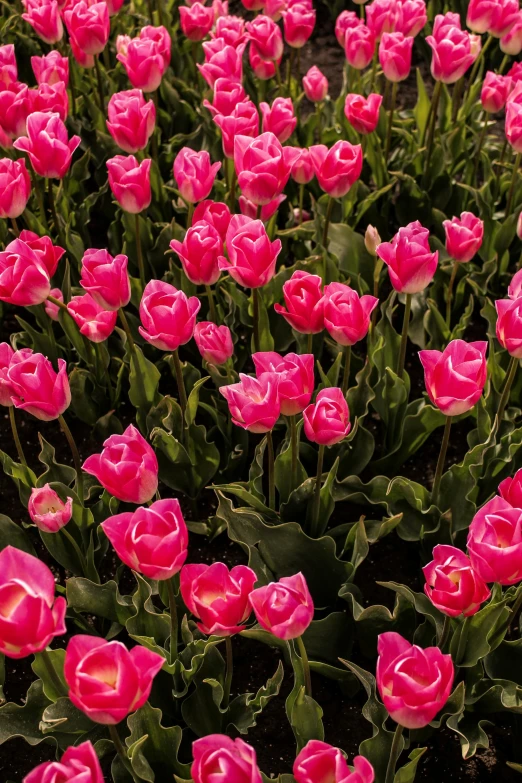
[[372, 240]]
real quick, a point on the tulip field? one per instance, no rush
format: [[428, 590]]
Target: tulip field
[[260, 389]]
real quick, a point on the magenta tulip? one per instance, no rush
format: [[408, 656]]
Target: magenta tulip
[[217, 756], [495, 542], [296, 378], [464, 236], [194, 174], [47, 510], [48, 145], [451, 583], [411, 264], [93, 320], [218, 597], [167, 315], [252, 256], [346, 314], [304, 302], [327, 421], [214, 342], [455, 377], [79, 764], [337, 168], [284, 608], [105, 278]]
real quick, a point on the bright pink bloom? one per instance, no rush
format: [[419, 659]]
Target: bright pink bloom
[[479, 14], [152, 540], [127, 467], [15, 107], [199, 253], [48, 145], [8, 66], [504, 16], [411, 264], [359, 46], [47, 510], [451, 583], [327, 421], [129, 181], [36, 387], [510, 489], [96, 323], [413, 17], [252, 256], [50, 98], [107, 681], [513, 126], [346, 314], [15, 187], [515, 286], [318, 762], [168, 315], [413, 683], [279, 118], [495, 91], [222, 61], [249, 209], [267, 37], [105, 278], [48, 253], [304, 303], [315, 85], [44, 17], [455, 377], [495, 542], [146, 58], [219, 757], [384, 16], [253, 5], [78, 764], [131, 120], [463, 236], [337, 168], [218, 597], [509, 325], [243, 121], [216, 213], [299, 23], [114, 6], [296, 378], [84, 60], [24, 280], [395, 56], [231, 29], [30, 616], [196, 21], [511, 42], [263, 69], [284, 608], [302, 170], [262, 166], [6, 354], [253, 402], [214, 342], [345, 21], [363, 113], [89, 24], [51, 309], [194, 174], [227, 95], [453, 50], [274, 9], [161, 37]]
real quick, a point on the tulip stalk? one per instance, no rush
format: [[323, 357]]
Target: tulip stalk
[[14, 228], [346, 373], [229, 671], [173, 609], [294, 449], [511, 193], [328, 215], [76, 457], [441, 461], [444, 633], [463, 640], [181, 390], [404, 336], [515, 609], [54, 213], [306, 665], [58, 685], [477, 62], [301, 199], [510, 377], [99, 84], [271, 483], [432, 123], [482, 139], [317, 492], [255, 308], [122, 753], [309, 343], [16, 438], [211, 304], [139, 252], [393, 102], [394, 754], [449, 295]]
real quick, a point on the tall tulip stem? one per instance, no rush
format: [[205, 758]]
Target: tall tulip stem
[[404, 336], [432, 123], [255, 308], [441, 461], [346, 373], [449, 295], [54, 213], [139, 252], [390, 120], [211, 304], [510, 377], [306, 665], [181, 388], [122, 753], [317, 492], [294, 449], [173, 609], [229, 671], [14, 227], [99, 84], [325, 234], [394, 754], [480, 57], [511, 193], [444, 633], [464, 633], [515, 609], [271, 483], [76, 457], [16, 438]]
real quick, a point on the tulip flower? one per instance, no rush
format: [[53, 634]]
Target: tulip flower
[[274, 9], [127, 467], [217, 755], [222, 61], [152, 540], [44, 17], [452, 585], [515, 286], [199, 253], [214, 342], [296, 378], [509, 325], [319, 761], [243, 121], [79, 762], [48, 254], [161, 37], [359, 46], [15, 107], [89, 24], [463, 240], [372, 240], [395, 51], [51, 98], [6, 353], [144, 62], [411, 264], [48, 145], [302, 170], [337, 168], [263, 69], [299, 23], [219, 597], [131, 120], [53, 310], [495, 91], [304, 303], [284, 608], [251, 255], [510, 489], [196, 21], [267, 37], [194, 174], [30, 615], [513, 130], [279, 118], [47, 510], [15, 187], [363, 113], [84, 60], [168, 315], [383, 16], [315, 85], [262, 166], [327, 421], [504, 16], [24, 280], [8, 66], [36, 387], [413, 17], [453, 51], [106, 681], [105, 278], [254, 402], [511, 41], [494, 542], [231, 29], [227, 95], [345, 21], [96, 323], [129, 181], [216, 213]]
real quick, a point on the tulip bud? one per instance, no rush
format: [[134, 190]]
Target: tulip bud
[[48, 145], [214, 342], [105, 278], [262, 166], [36, 387], [252, 256], [463, 236], [359, 46], [315, 85], [346, 314], [495, 91], [337, 168], [196, 21], [284, 608], [89, 24], [302, 170], [15, 187], [266, 36], [327, 421], [47, 510], [199, 253], [221, 612], [395, 56], [510, 489], [44, 17], [131, 120], [129, 181], [509, 325], [145, 58], [345, 21], [168, 315], [411, 264], [372, 240], [194, 174], [511, 41], [51, 309], [299, 23], [8, 66], [304, 303], [279, 118], [363, 113], [455, 377]]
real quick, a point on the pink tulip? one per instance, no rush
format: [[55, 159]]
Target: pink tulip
[[243, 121], [253, 402], [345, 21], [327, 421], [359, 46], [194, 174], [47, 510], [105, 278], [129, 181], [24, 280], [151, 540], [168, 315], [262, 166], [395, 56], [36, 387], [214, 342], [199, 253], [504, 16], [8, 66], [302, 170], [6, 354], [495, 91], [231, 29], [274, 9], [15, 187], [455, 377], [227, 95], [346, 314], [284, 608], [315, 85], [384, 16], [304, 303], [253, 5], [217, 757], [318, 762], [363, 113], [495, 542], [215, 213], [452, 585], [30, 616], [299, 23], [89, 24], [44, 18], [252, 256], [84, 60], [515, 286], [464, 236], [511, 42], [127, 467], [279, 118], [131, 120], [114, 6], [509, 325], [51, 309], [337, 168], [96, 323], [413, 17], [106, 681], [479, 14], [411, 264], [145, 58], [263, 69], [413, 683], [513, 126], [48, 254], [218, 597], [47, 143], [266, 36], [78, 763], [196, 21], [50, 98], [453, 51], [222, 61], [296, 378], [510, 489], [15, 107], [161, 37]]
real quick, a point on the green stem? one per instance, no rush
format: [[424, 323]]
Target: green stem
[[455, 98], [464, 633], [477, 62], [16, 438], [39, 197], [57, 302], [99, 83], [51, 671], [230, 671], [306, 665], [278, 77], [294, 446], [190, 213], [139, 252], [211, 304], [232, 192], [255, 307], [173, 609], [259, 212], [516, 166], [301, 199], [14, 227], [325, 233], [54, 214], [77, 550], [510, 376], [441, 461], [309, 343], [289, 70], [317, 491], [503, 64], [159, 5], [404, 336], [374, 70], [445, 632], [479, 149], [449, 295], [390, 121], [122, 753], [346, 374], [376, 280], [394, 754], [126, 329], [76, 457], [181, 388], [271, 483], [433, 121]]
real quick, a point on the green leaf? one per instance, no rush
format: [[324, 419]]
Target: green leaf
[[303, 712], [144, 380], [55, 471], [153, 746], [481, 633], [193, 401], [406, 774], [101, 600], [12, 534], [24, 721], [56, 659]]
